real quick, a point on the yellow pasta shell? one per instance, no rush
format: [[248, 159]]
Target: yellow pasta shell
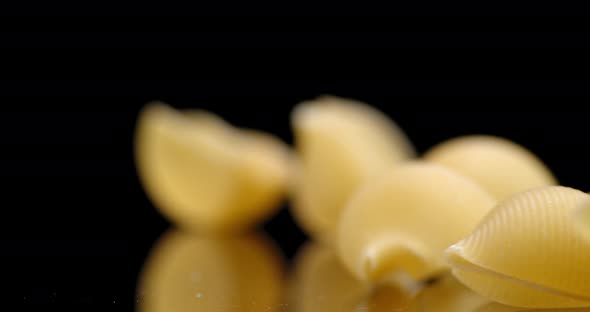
[[205, 175], [582, 218], [340, 143], [527, 252], [405, 220], [185, 272], [449, 295], [499, 165], [319, 283]]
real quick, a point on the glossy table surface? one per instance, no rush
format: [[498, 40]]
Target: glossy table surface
[[187, 272]]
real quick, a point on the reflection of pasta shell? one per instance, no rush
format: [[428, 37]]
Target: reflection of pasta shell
[[499, 165], [191, 273], [582, 218], [203, 174], [527, 253], [448, 295], [320, 283], [405, 220], [340, 143]]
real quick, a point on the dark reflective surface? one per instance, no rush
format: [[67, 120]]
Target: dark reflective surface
[[196, 273], [187, 272]]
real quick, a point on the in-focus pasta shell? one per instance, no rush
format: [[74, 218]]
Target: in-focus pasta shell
[[340, 143], [582, 218], [187, 273], [499, 165], [405, 220], [205, 175], [527, 252]]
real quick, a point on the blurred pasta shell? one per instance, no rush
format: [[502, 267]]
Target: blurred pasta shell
[[320, 283], [499, 165], [340, 143], [449, 295], [527, 252], [205, 175], [185, 272], [403, 221]]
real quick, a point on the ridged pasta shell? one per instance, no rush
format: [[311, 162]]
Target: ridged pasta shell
[[405, 220], [340, 143], [205, 175], [527, 252], [187, 273], [319, 283], [582, 218], [499, 165]]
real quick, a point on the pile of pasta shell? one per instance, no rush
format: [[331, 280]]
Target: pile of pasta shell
[[480, 207]]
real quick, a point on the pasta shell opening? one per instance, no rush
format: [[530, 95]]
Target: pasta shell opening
[[384, 260], [527, 253], [509, 289], [447, 294], [320, 283], [404, 220]]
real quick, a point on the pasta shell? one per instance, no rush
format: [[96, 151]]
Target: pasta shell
[[406, 219], [449, 295], [527, 253], [320, 283], [340, 144], [582, 218], [499, 165], [205, 175], [185, 272]]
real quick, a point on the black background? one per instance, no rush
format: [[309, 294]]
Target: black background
[[76, 225]]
